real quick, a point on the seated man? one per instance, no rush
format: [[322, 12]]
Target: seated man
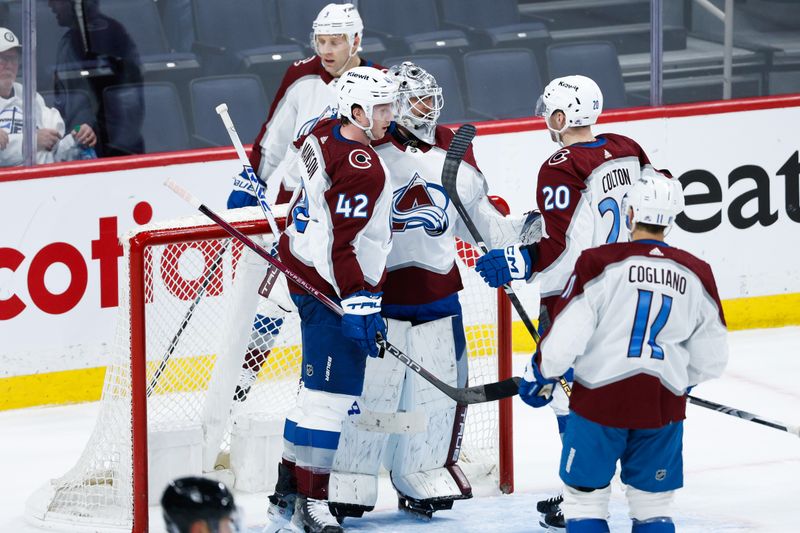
[[51, 144]]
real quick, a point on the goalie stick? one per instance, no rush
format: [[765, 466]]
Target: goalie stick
[[455, 154], [744, 415], [467, 395]]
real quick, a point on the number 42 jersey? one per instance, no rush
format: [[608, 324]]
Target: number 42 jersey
[[641, 322]]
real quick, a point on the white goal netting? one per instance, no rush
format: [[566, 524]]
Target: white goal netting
[[180, 307]]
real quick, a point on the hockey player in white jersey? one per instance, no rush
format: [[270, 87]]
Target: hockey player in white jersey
[[338, 240], [420, 300], [641, 323], [306, 96], [579, 190]]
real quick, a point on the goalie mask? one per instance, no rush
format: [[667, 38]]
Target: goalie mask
[[654, 199], [419, 100], [337, 19], [191, 499], [578, 97]]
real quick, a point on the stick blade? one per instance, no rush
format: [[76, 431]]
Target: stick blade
[[461, 141], [486, 393]]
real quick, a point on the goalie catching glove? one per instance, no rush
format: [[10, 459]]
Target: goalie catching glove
[[535, 389], [362, 320], [502, 265]]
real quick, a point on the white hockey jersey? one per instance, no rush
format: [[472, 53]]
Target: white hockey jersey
[[338, 235], [306, 96], [422, 264], [11, 116], [640, 322]]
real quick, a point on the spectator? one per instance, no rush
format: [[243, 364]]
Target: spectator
[[51, 144], [100, 45]]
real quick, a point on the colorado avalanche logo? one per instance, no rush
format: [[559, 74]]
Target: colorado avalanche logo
[[417, 206], [305, 129]]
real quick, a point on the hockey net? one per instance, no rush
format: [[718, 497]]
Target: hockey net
[[176, 315]]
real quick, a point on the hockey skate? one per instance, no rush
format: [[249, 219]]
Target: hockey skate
[[282, 502], [553, 521], [550, 505], [313, 516], [344, 510], [424, 508]]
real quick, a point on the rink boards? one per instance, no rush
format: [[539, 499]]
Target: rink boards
[[59, 258]]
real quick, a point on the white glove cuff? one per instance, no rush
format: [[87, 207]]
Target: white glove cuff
[[516, 261], [362, 305]]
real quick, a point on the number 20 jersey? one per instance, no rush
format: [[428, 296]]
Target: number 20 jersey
[[640, 322], [579, 192]]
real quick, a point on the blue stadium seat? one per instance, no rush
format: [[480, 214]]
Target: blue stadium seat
[[411, 26], [240, 35], [443, 69], [296, 17], [247, 105], [502, 83], [597, 60], [163, 126], [495, 22], [143, 23]]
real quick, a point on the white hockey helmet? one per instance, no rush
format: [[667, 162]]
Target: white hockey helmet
[[419, 100], [578, 97], [654, 198], [365, 87], [337, 19]]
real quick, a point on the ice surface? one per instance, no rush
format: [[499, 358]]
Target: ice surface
[[739, 476]]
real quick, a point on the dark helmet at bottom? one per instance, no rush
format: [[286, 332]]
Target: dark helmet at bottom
[[189, 499]]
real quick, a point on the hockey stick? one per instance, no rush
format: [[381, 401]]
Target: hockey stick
[[469, 395], [455, 153], [261, 194], [186, 318], [744, 415], [222, 111]]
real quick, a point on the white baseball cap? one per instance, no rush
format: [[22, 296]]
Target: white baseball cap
[[8, 40]]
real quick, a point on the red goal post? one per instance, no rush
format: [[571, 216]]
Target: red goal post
[[169, 266]]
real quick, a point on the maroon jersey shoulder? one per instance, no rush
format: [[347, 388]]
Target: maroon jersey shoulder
[[444, 136], [581, 159], [594, 260], [321, 129], [346, 159]]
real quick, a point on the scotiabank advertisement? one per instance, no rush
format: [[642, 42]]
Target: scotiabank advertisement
[[60, 256]]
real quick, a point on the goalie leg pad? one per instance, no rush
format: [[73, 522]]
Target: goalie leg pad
[[419, 462], [585, 503], [645, 505], [354, 480], [433, 487]]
